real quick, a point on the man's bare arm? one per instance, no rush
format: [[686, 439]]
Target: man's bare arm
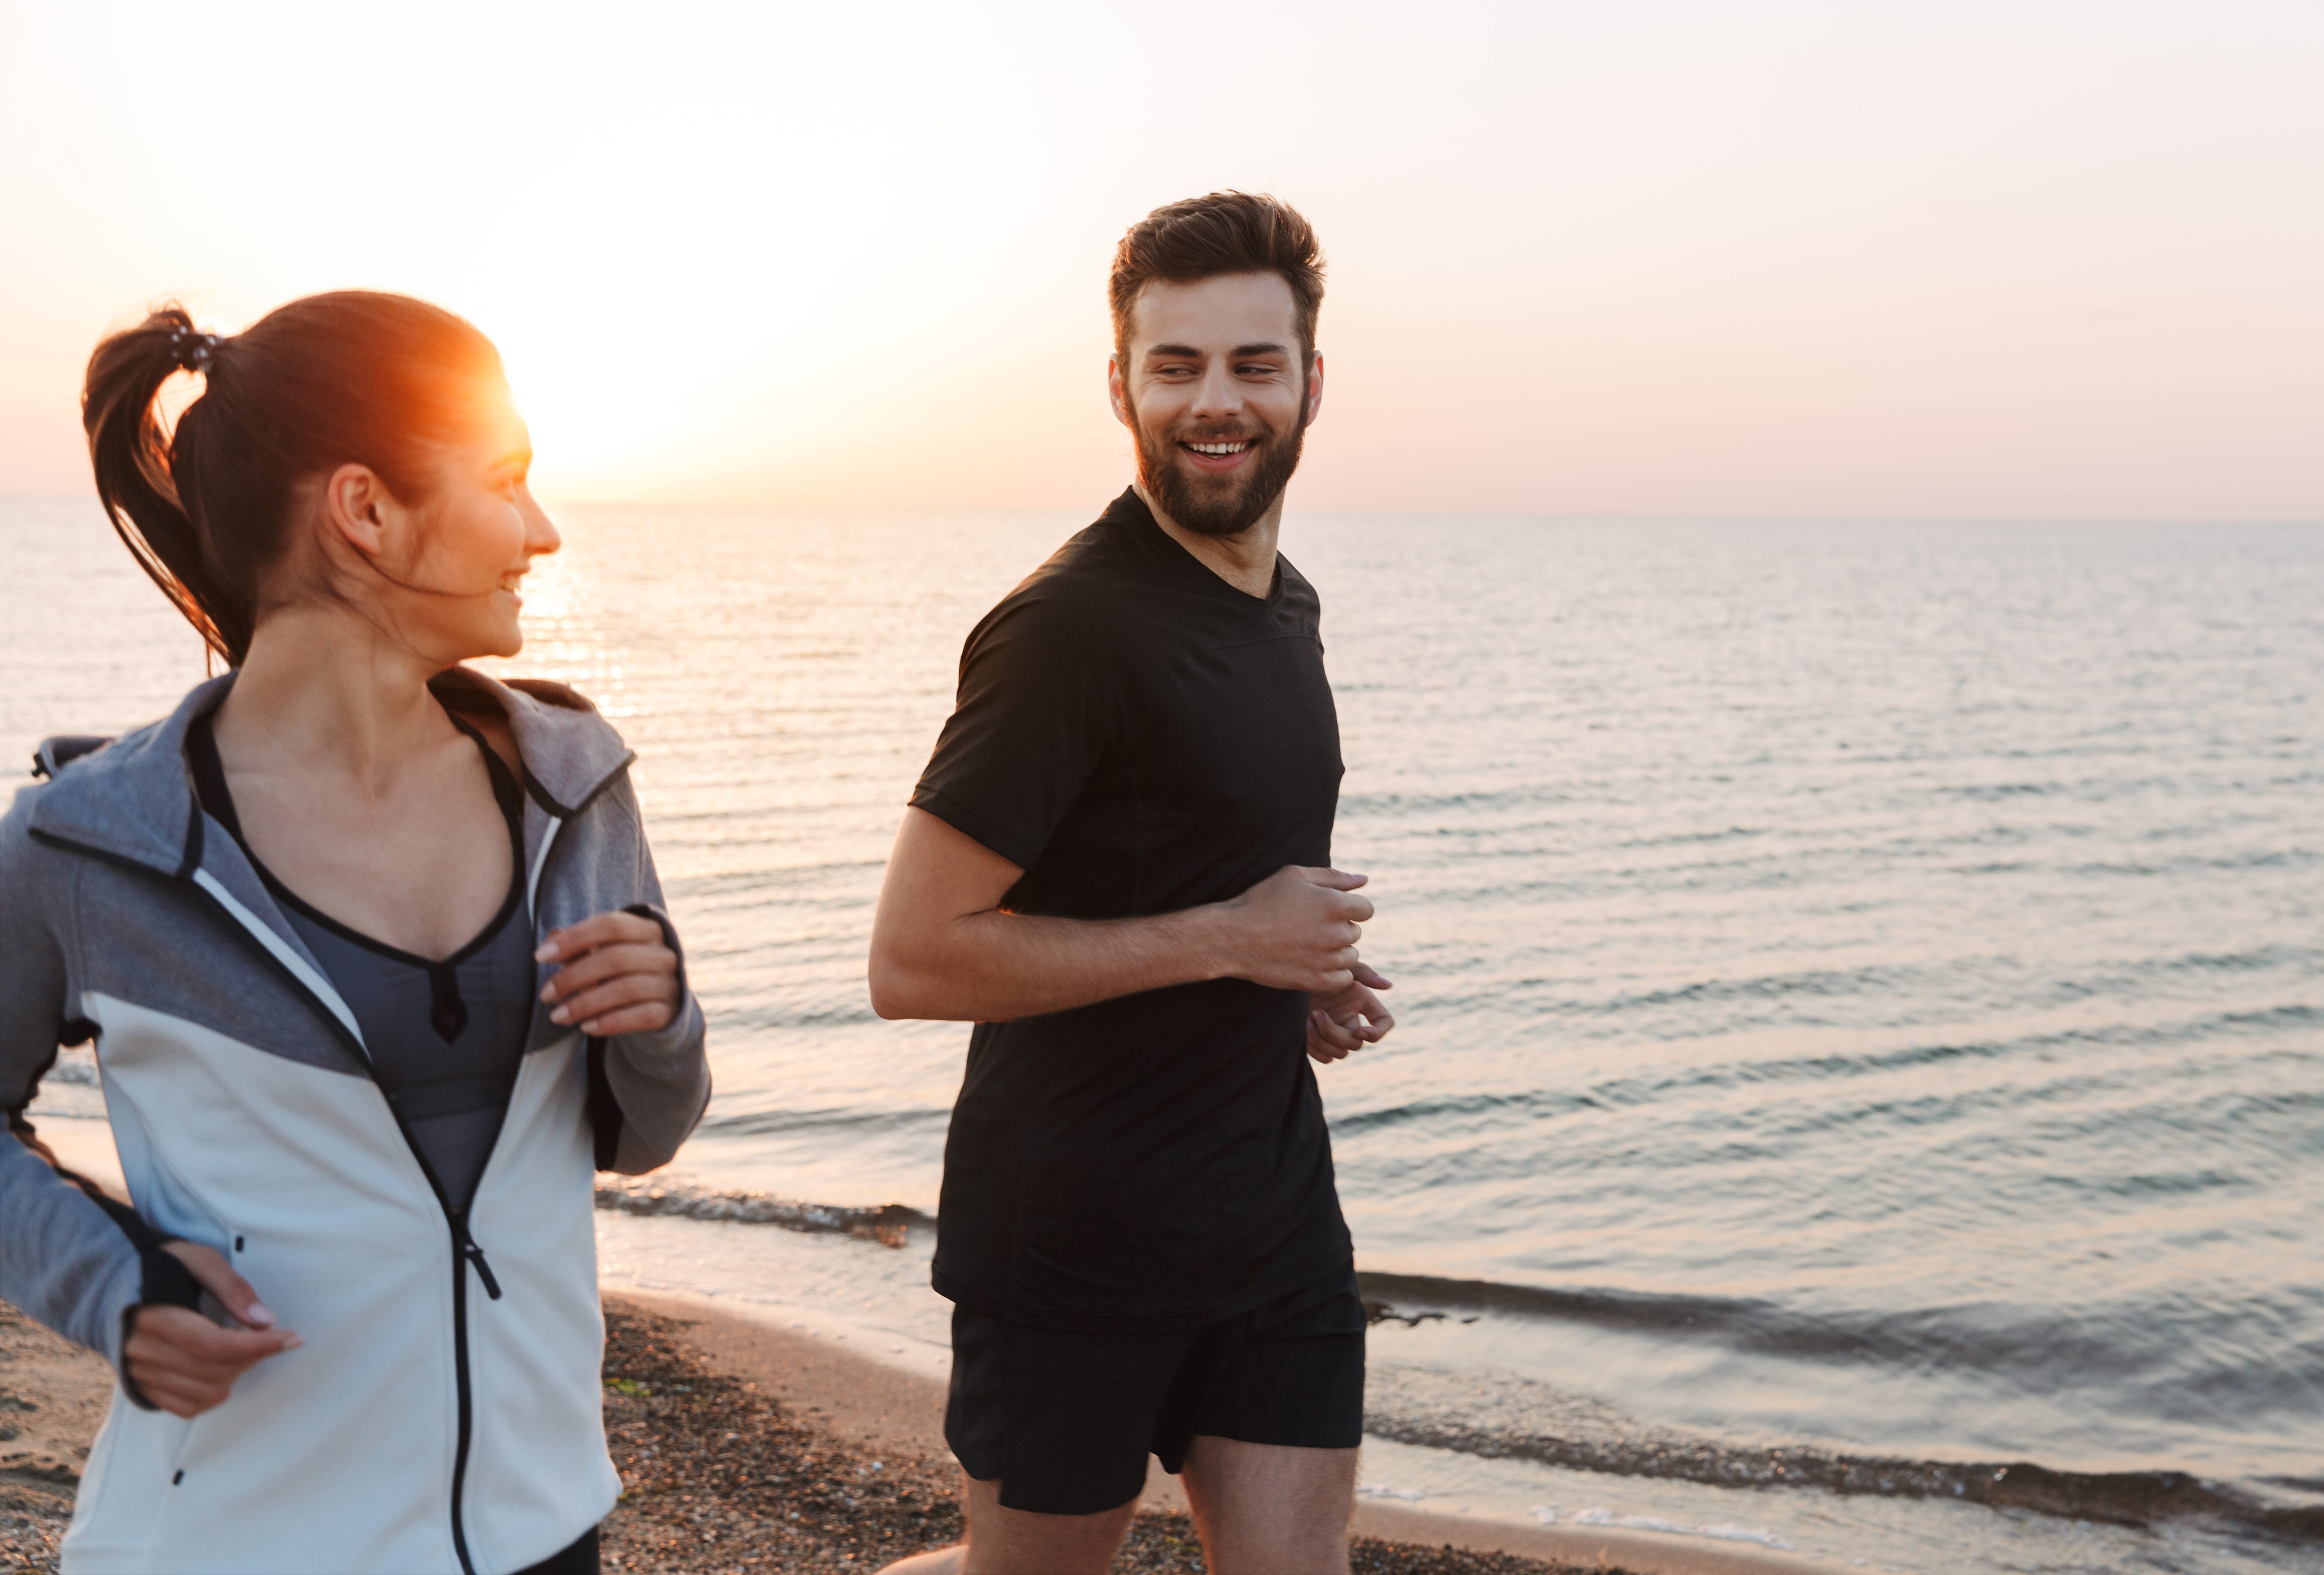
[[943, 948]]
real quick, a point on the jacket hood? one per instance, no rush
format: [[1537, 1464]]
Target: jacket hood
[[134, 799]]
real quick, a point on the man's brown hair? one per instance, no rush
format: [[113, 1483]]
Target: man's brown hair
[[1227, 232]]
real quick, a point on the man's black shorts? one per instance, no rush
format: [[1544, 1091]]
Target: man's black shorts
[[1065, 1419]]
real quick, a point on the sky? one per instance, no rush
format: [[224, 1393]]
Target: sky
[[2042, 259]]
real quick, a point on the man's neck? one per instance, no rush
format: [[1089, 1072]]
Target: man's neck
[[1245, 560]]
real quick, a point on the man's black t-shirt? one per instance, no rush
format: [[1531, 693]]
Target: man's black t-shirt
[[1140, 737]]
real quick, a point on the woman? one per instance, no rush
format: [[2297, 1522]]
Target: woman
[[369, 947]]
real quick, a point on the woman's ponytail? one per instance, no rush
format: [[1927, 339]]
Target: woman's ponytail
[[135, 478], [350, 377]]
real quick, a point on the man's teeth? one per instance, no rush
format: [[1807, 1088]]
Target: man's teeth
[[1218, 447]]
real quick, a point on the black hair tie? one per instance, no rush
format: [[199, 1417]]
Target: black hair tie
[[193, 351]]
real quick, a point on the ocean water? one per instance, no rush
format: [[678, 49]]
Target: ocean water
[[1860, 984]]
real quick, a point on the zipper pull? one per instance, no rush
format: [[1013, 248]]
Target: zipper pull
[[475, 1254], [484, 1271]]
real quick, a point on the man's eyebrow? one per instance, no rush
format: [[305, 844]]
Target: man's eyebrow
[[518, 456], [1264, 348]]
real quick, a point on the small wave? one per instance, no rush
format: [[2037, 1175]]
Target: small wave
[[1724, 1532], [1588, 1437], [851, 1122], [890, 1224], [2203, 1028], [1993, 792], [1532, 1421], [1989, 1338], [2130, 1498]]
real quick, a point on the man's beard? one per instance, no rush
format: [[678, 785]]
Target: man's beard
[[1216, 506]]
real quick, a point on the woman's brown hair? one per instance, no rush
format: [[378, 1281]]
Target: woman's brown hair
[[349, 377]]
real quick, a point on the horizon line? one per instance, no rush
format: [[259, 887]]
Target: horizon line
[[1603, 517]]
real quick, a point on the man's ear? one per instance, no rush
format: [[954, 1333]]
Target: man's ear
[[1113, 390], [355, 507], [1314, 400]]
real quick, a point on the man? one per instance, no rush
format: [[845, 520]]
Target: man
[[1117, 864]]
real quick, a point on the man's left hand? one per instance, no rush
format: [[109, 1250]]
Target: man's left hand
[[1348, 1019]]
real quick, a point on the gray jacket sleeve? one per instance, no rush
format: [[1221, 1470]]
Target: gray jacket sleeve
[[62, 1259], [660, 1081]]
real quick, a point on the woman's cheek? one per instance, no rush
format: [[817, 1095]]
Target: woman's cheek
[[494, 539]]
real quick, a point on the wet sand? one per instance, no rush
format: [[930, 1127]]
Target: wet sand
[[747, 1444], [893, 1415], [746, 1447]]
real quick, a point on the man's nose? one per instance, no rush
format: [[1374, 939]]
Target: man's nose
[[1219, 394]]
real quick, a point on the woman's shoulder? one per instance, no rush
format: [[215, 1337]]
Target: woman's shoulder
[[23, 857], [548, 731], [477, 698]]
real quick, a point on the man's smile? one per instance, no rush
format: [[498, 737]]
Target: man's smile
[[1218, 458]]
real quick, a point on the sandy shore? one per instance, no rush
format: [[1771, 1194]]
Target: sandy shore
[[745, 1443], [892, 1414], [744, 1446]]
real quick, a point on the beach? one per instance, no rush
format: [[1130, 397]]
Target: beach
[[745, 1446], [746, 1441]]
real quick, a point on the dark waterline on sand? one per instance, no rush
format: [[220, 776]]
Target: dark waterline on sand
[[1861, 984]]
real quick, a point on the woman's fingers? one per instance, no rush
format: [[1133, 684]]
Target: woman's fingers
[[605, 961], [650, 1018], [186, 1364], [177, 1395], [181, 1341], [619, 975], [215, 1275], [612, 962], [604, 929], [630, 989]]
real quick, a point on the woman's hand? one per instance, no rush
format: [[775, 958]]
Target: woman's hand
[[1348, 1019], [184, 1363], [617, 975]]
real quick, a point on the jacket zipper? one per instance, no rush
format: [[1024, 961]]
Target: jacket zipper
[[465, 1250]]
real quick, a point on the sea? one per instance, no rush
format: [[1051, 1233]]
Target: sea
[[1859, 1078]]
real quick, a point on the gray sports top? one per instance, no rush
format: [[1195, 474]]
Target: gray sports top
[[445, 1037]]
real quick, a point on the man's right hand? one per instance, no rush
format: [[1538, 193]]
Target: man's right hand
[[184, 1363], [942, 946], [1297, 929]]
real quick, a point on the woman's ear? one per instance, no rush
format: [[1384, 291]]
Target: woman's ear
[[359, 510]]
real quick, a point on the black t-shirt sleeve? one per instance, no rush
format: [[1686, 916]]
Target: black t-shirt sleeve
[[1038, 711]]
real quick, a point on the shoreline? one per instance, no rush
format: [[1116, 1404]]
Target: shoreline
[[745, 1443], [871, 1391], [894, 1408]]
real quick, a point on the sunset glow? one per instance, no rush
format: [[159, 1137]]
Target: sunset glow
[[1803, 258]]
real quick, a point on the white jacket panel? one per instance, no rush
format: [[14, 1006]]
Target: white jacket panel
[[539, 1451], [230, 1147]]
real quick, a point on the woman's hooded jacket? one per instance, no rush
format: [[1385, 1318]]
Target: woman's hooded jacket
[[443, 1414]]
